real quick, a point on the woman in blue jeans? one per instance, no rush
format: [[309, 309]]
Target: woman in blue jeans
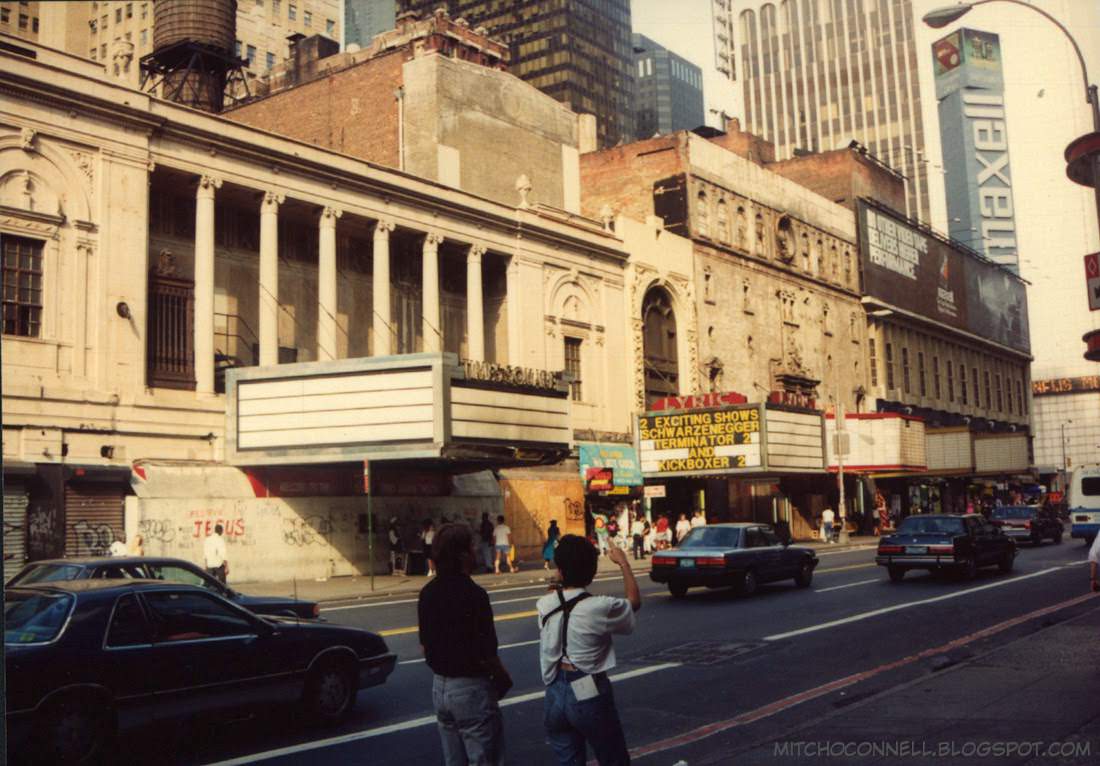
[[576, 654]]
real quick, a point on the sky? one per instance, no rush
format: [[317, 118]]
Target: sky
[[1045, 101]]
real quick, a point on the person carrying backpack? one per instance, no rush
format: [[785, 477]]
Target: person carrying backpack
[[576, 653]]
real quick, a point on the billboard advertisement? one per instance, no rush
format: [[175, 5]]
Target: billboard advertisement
[[701, 441], [974, 137], [911, 270]]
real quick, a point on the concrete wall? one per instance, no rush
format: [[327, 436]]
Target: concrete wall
[[267, 539], [843, 176], [499, 126]]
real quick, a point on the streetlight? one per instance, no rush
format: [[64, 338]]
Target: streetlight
[[1065, 467], [1086, 145]]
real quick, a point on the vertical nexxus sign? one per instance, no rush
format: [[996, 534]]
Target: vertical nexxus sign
[[970, 89]]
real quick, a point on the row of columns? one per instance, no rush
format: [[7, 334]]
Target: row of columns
[[382, 323]]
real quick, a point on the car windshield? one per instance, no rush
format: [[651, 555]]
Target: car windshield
[[1014, 512], [47, 573], [930, 525], [712, 537], [33, 618]]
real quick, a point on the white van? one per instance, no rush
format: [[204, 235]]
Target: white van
[[1084, 502]]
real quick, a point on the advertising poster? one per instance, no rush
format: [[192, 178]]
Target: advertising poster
[[706, 441]]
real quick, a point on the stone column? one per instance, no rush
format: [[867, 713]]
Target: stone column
[[204, 284], [380, 288], [269, 278], [432, 332], [514, 320], [326, 285], [475, 305]]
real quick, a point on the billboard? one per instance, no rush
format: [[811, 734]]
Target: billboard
[[911, 270], [974, 136], [702, 441], [622, 459]]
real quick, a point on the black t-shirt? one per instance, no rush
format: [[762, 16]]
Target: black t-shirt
[[486, 531], [456, 626]]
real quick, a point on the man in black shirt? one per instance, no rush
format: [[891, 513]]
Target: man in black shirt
[[460, 646]]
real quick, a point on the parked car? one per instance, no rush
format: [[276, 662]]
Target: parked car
[[1028, 524], [961, 544], [158, 568], [741, 555], [86, 659]]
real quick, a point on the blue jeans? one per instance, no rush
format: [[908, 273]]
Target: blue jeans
[[828, 531], [487, 554], [571, 724], [469, 721]]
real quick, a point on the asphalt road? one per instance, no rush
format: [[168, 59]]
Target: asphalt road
[[746, 667]]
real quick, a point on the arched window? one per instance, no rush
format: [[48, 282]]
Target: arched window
[[723, 221], [702, 215], [847, 267], [659, 349]]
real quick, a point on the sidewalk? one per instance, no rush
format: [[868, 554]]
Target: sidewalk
[[1031, 701], [531, 573]]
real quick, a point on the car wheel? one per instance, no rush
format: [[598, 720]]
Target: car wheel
[[897, 574], [805, 575], [330, 691], [969, 568], [678, 590], [1057, 539], [1006, 562], [749, 582], [75, 731]]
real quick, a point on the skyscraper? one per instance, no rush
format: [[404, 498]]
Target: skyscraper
[[578, 52], [816, 74], [363, 19], [668, 90]]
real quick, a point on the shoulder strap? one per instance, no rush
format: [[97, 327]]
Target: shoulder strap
[[566, 608]]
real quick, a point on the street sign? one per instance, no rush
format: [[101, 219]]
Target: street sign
[[655, 490], [1092, 279]]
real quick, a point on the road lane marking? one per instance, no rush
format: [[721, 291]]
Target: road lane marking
[[907, 605], [497, 618], [502, 646], [846, 550], [849, 585], [845, 569], [766, 711], [415, 722], [491, 591]]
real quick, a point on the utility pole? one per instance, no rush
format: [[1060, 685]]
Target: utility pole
[[841, 450]]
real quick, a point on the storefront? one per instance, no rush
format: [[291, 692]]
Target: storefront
[[612, 479]]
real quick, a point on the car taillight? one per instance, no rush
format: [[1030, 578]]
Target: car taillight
[[941, 548], [890, 549], [710, 561], [1027, 525], [663, 561]]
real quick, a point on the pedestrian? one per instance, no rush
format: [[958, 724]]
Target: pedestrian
[[460, 646], [486, 533], [427, 536], [827, 517], [137, 546], [576, 653], [213, 551], [613, 532], [648, 538], [663, 537], [683, 526], [599, 523], [502, 539], [637, 534], [624, 526], [552, 535], [397, 547], [1094, 564], [117, 547], [698, 520]]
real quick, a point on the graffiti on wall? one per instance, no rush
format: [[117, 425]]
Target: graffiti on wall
[[307, 531], [93, 539], [43, 531]]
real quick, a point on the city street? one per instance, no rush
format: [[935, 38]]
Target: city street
[[702, 678]]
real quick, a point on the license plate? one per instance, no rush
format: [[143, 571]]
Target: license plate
[[687, 563], [1082, 518], [918, 549]]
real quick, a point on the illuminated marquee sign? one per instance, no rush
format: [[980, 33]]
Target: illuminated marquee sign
[[1054, 386], [698, 401], [721, 440]]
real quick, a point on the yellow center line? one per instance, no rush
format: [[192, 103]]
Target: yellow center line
[[498, 618], [844, 569]]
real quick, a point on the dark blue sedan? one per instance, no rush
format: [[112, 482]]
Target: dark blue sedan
[[739, 555], [86, 659]]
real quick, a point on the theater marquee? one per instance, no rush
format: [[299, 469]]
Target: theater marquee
[[751, 438]]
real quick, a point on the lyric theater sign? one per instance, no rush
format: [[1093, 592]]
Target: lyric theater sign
[[742, 439]]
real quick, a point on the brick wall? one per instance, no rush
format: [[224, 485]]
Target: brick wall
[[623, 177], [843, 176], [353, 112]]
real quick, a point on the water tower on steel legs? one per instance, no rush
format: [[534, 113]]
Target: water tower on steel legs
[[193, 59]]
